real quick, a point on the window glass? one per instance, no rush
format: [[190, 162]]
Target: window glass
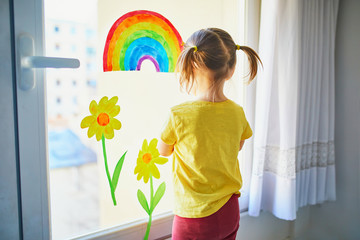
[[80, 195]]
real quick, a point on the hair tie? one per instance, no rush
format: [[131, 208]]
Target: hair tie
[[195, 48], [238, 47]]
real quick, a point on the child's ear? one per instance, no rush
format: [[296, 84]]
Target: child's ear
[[231, 73]]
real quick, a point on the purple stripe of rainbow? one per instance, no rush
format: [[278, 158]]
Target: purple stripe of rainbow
[[148, 57]]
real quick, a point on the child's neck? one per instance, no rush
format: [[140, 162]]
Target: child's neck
[[212, 97], [204, 90], [206, 93]]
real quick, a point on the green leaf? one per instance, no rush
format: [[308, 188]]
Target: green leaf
[[115, 178], [158, 195], [143, 201]]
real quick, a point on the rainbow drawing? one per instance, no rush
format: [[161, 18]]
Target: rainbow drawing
[[138, 36]]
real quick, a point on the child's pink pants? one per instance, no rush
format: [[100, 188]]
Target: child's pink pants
[[221, 225]]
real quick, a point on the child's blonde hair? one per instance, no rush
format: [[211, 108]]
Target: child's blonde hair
[[215, 50]]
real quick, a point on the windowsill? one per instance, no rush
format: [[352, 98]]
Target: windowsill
[[160, 229]]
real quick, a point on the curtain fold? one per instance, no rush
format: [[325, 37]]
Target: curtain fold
[[293, 163]]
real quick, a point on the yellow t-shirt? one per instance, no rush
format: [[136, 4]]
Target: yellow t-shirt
[[206, 138]]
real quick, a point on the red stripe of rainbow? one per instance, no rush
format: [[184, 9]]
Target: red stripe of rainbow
[[131, 23]]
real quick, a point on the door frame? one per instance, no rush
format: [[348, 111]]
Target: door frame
[[10, 209], [32, 127]]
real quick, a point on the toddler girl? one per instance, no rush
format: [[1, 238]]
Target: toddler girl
[[205, 137]]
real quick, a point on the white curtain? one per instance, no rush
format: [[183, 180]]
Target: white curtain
[[293, 159]]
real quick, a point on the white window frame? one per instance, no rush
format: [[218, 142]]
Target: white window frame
[[32, 136], [31, 123]]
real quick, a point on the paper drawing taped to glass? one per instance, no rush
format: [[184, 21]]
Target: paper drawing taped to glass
[[101, 124], [138, 36]]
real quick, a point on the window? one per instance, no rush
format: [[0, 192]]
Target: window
[[90, 51], [73, 48], [73, 30], [91, 83], [80, 196]]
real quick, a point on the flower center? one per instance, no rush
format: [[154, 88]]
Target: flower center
[[103, 119], [146, 157]]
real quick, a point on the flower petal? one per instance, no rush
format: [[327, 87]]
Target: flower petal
[[99, 132], [153, 144], [108, 132], [160, 160], [154, 171], [154, 153], [146, 175], [87, 121], [92, 129], [138, 168], [114, 99], [139, 159], [139, 176], [110, 104], [114, 111], [93, 107], [116, 124], [145, 147], [103, 101]]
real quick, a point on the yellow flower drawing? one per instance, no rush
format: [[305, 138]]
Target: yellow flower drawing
[[148, 156], [102, 121]]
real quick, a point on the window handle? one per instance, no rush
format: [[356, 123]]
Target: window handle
[[49, 62], [27, 62]]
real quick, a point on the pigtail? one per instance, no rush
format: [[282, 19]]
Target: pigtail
[[253, 58], [186, 66]]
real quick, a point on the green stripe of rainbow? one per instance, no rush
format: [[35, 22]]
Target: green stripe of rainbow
[[135, 25]]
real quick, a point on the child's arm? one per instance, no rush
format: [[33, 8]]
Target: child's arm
[[241, 144], [165, 149]]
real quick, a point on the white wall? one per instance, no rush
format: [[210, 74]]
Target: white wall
[[341, 219]]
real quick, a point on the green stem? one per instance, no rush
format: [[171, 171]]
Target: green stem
[[107, 170], [150, 213], [146, 237], [151, 194]]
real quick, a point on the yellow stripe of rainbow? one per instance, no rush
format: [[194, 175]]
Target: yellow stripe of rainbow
[[141, 24]]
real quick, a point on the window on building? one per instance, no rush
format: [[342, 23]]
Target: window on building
[[73, 30], [90, 51], [91, 83], [73, 48]]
